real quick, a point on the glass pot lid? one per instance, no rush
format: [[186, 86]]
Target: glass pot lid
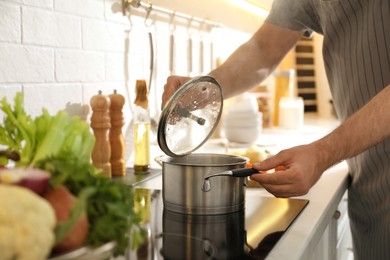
[[190, 116]]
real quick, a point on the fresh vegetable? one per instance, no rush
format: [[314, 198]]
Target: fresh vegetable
[[63, 147], [44, 136], [62, 202], [27, 224], [110, 205], [280, 168], [31, 178]]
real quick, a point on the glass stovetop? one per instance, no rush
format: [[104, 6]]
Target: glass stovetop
[[248, 234]]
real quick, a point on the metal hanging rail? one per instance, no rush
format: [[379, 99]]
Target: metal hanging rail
[[149, 7]]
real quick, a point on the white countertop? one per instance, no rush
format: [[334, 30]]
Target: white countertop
[[302, 237]]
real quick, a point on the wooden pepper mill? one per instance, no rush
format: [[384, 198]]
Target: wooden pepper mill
[[117, 143], [100, 123]]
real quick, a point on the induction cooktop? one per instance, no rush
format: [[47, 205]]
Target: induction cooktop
[[247, 234]]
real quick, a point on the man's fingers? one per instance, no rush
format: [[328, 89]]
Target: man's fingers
[[278, 178], [270, 163], [282, 183], [173, 83]]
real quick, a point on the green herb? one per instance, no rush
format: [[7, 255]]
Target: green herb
[[110, 205], [18, 129]]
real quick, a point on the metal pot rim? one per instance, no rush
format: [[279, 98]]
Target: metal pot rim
[[186, 160]]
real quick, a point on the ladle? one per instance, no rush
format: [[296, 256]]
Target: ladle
[[242, 172]]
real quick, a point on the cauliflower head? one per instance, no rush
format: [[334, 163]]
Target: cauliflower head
[[27, 224]]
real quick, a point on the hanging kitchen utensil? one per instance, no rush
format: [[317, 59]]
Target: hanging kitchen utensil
[[149, 25], [129, 144], [212, 62], [201, 49], [172, 28], [152, 88], [128, 136], [151, 61], [189, 49]]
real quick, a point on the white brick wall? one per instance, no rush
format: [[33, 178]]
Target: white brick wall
[[26, 63], [10, 29], [84, 8], [61, 52], [48, 28], [47, 4], [79, 66], [103, 36]]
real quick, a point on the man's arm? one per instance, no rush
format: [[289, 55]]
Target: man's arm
[[367, 127], [255, 60], [250, 64], [304, 164]]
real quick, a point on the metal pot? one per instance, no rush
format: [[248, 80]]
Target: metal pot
[[184, 177], [187, 121]]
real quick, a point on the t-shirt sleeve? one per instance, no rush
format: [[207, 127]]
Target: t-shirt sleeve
[[297, 15]]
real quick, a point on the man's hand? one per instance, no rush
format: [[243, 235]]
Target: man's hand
[[173, 84], [301, 170]]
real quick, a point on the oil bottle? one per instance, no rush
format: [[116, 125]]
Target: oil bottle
[[141, 129]]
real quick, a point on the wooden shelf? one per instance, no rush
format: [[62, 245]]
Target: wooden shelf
[[305, 66], [310, 102], [306, 80], [304, 55], [306, 91]]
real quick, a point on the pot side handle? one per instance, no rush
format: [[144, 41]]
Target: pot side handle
[[158, 160], [244, 172]]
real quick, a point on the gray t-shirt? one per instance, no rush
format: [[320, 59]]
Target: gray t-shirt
[[356, 53]]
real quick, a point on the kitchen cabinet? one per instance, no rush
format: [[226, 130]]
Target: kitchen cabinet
[[344, 238], [336, 242]]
